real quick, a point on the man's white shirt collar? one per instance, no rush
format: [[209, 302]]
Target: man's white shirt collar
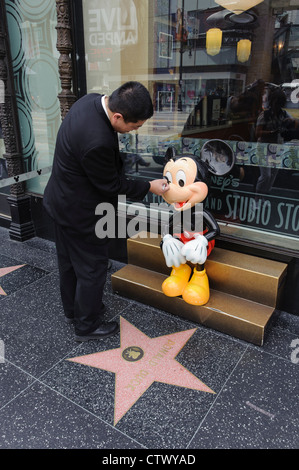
[[104, 105]]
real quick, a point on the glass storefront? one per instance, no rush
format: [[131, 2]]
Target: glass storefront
[[212, 68], [32, 35]]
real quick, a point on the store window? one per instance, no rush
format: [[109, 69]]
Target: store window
[[32, 35], [212, 68]]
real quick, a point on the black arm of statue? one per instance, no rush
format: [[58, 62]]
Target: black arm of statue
[[213, 227]]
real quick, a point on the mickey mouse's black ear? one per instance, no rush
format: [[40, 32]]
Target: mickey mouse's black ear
[[170, 153], [219, 157]]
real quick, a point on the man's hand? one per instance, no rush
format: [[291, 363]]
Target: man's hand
[[159, 187]]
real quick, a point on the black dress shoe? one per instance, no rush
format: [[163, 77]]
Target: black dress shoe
[[104, 330]]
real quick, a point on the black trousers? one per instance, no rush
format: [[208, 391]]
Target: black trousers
[[83, 270]]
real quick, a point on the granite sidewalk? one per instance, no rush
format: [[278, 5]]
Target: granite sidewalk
[[48, 400]]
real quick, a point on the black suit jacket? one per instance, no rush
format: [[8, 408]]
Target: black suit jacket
[[87, 168]]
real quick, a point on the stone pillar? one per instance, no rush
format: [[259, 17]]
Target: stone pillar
[[65, 47], [262, 46]]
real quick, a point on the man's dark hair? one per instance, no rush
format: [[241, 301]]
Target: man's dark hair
[[133, 101]]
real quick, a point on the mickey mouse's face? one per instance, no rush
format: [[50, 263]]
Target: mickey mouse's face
[[184, 188]]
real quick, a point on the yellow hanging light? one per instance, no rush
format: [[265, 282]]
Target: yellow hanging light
[[238, 6], [243, 50], [213, 41]]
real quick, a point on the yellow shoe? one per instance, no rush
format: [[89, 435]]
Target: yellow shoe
[[175, 284], [197, 292]]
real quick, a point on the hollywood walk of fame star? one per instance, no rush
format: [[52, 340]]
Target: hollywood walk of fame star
[[139, 362], [4, 271]]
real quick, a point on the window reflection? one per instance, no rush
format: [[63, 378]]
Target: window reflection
[[202, 91]]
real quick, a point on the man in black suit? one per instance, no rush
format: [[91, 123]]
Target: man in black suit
[[87, 170]]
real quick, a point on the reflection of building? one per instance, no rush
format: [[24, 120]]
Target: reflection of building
[[101, 44], [286, 53]]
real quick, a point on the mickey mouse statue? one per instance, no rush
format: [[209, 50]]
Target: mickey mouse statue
[[188, 176]]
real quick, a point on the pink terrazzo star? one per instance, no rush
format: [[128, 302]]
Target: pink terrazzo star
[[139, 362], [4, 271]]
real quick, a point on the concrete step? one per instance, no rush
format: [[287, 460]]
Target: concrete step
[[250, 277], [245, 289], [241, 318]]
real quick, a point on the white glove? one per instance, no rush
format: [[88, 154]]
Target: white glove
[[195, 251], [171, 248]]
